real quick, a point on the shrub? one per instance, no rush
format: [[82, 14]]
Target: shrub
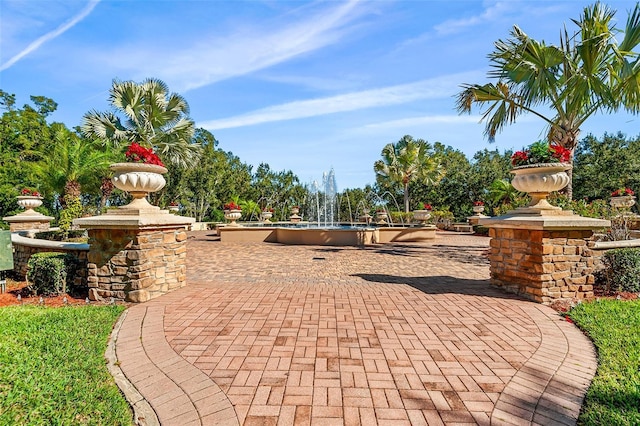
[[401, 217], [622, 269], [72, 210], [75, 235], [51, 273]]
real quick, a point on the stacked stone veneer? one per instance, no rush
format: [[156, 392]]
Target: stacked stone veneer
[[136, 264], [36, 225], [543, 265], [24, 248]]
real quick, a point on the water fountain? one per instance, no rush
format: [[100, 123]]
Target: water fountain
[[323, 226]]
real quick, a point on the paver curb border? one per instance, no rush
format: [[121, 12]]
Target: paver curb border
[[556, 394], [143, 413]]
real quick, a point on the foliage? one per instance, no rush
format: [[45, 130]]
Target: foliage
[[622, 192], [589, 72], [231, 206], [75, 235], [406, 161], [614, 395], [401, 217], [441, 216], [622, 269], [139, 154], [597, 208], [51, 273], [52, 367], [605, 164], [151, 116], [541, 152], [72, 210]]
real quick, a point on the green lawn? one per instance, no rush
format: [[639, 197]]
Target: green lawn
[[614, 395], [52, 367]]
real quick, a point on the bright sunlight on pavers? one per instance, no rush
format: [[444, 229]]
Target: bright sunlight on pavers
[[389, 334]]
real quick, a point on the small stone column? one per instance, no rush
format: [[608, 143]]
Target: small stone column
[[135, 254], [543, 256]]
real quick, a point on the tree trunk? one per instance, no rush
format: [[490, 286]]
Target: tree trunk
[[406, 198]]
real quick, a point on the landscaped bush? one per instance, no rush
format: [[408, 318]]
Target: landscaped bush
[[622, 269], [401, 217], [74, 235], [51, 273]]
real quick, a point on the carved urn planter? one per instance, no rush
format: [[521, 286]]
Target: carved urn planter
[[138, 179], [29, 202], [478, 209], [623, 202], [266, 216], [422, 216], [232, 216], [539, 180], [382, 217]]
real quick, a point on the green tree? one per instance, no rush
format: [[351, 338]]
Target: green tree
[[589, 72], [604, 165], [72, 164], [151, 116], [406, 161]]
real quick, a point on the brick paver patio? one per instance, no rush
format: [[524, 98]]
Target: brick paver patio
[[405, 334]]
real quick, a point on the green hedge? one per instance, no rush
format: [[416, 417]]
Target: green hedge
[[51, 273], [622, 269]]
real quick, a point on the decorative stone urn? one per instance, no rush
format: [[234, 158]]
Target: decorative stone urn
[[29, 202], [381, 216], [138, 179], [422, 216], [478, 209], [366, 218], [623, 202], [232, 216], [294, 214], [539, 180], [266, 216]]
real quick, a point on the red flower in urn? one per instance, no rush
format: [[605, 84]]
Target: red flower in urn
[[139, 154]]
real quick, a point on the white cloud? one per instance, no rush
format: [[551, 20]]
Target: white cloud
[[51, 35], [434, 88], [427, 119], [490, 13], [214, 58]]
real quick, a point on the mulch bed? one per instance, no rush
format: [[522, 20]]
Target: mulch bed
[[15, 288]]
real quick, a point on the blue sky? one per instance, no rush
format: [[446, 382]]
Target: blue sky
[[302, 86]]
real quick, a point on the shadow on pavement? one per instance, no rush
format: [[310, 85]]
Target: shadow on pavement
[[442, 284]]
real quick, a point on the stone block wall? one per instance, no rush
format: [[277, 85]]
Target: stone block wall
[[23, 252], [136, 264], [27, 226], [543, 265]]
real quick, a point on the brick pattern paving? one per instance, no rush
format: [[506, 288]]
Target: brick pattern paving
[[396, 334]]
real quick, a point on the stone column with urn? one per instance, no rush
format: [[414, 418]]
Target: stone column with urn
[[541, 251], [29, 219], [138, 251]]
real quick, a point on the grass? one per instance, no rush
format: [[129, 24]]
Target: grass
[[614, 395], [52, 367]]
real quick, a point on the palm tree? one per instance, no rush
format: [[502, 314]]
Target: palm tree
[[406, 161], [589, 72], [152, 117], [73, 163]]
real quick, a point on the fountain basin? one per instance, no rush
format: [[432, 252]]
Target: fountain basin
[[338, 236]]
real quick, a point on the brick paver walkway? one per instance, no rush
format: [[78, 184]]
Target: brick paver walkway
[[266, 334]]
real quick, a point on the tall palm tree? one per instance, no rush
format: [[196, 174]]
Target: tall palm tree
[[588, 72], [151, 116], [406, 161]]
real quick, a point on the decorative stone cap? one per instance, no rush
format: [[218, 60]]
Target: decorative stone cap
[[28, 216], [129, 218], [544, 220]]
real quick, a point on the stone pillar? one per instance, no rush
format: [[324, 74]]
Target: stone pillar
[[543, 256], [135, 254], [28, 220]]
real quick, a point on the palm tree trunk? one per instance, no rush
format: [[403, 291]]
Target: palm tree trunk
[[406, 197]]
